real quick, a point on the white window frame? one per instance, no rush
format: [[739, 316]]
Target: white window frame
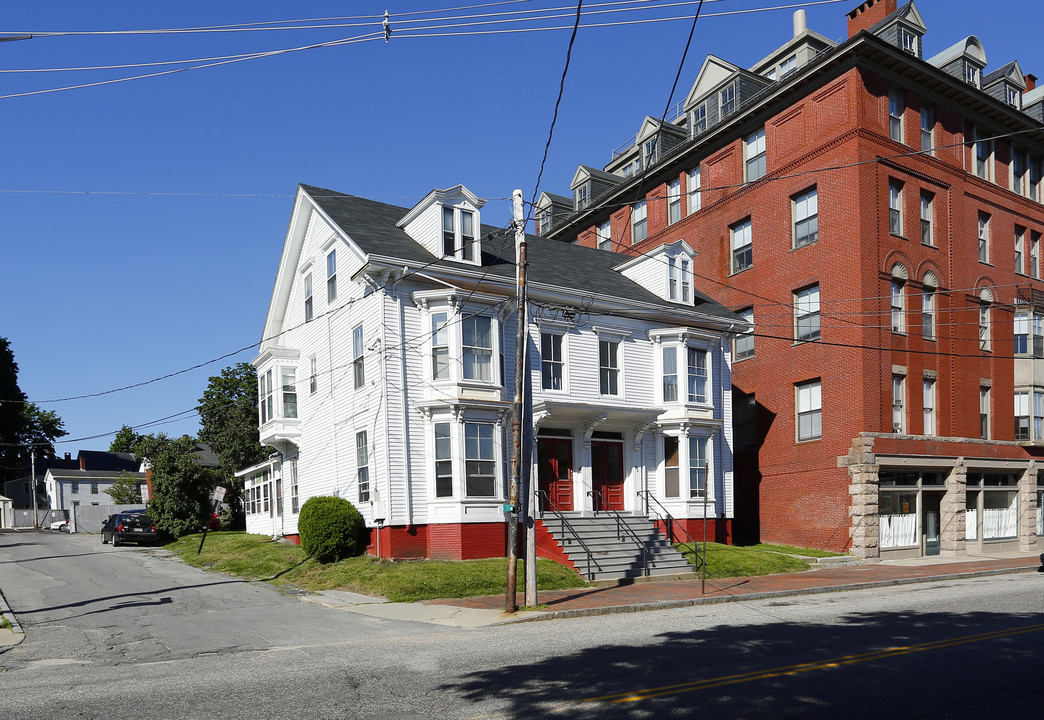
[[480, 453], [471, 354], [699, 119], [927, 218], [699, 465], [358, 358], [741, 240], [288, 391], [807, 326], [985, 331], [984, 412], [898, 404], [896, 107], [898, 304], [743, 345], [442, 452], [984, 237], [1021, 332], [362, 466], [895, 208], [331, 276], [678, 285], [266, 396], [552, 361], [459, 233], [694, 188], [604, 233], [669, 373], [609, 367], [928, 129], [313, 375], [1034, 256], [1020, 250], [908, 40], [805, 210], [754, 155], [982, 154], [639, 222], [928, 313], [1022, 412], [808, 405], [308, 305], [441, 366], [726, 101], [697, 374], [674, 201], [928, 405]]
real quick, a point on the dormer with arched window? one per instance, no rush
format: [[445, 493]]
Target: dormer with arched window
[[964, 60]]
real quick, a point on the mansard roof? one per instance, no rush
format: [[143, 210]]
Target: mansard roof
[[553, 265]]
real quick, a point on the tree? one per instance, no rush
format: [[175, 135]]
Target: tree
[[228, 418], [181, 487], [125, 440], [126, 490], [23, 425]]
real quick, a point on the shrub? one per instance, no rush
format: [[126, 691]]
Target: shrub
[[331, 529]]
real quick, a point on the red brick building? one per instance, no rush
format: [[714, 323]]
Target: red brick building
[[878, 215]]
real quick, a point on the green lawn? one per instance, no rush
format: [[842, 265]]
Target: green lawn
[[257, 557]]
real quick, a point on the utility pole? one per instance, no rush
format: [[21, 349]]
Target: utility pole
[[32, 462], [512, 508]]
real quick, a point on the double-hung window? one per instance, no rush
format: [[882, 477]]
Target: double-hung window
[[984, 412], [477, 346], [699, 120], [358, 358], [727, 101], [670, 373], [362, 466], [895, 115], [697, 374], [1021, 333], [674, 201], [1035, 255], [551, 362], [984, 237], [1022, 416], [809, 410], [694, 191], [806, 217], [581, 197], [742, 249], [908, 40], [928, 403], [806, 314], [895, 208], [697, 466], [678, 279], [308, 297], [984, 326], [1020, 172], [927, 128], [609, 367], [479, 464], [1038, 335], [1038, 420], [1020, 250], [440, 352], [743, 345], [605, 236], [331, 276], [313, 375], [788, 66], [443, 461], [983, 153], [265, 394], [754, 153], [899, 404], [898, 296], [928, 313], [639, 222], [927, 215], [671, 487], [288, 376]]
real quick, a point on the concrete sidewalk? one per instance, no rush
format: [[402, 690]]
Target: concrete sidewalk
[[674, 593]]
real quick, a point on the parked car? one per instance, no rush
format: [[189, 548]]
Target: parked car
[[60, 526], [128, 527], [215, 522]]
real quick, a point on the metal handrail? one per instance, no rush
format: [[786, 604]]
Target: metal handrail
[[573, 533], [621, 524], [670, 521]]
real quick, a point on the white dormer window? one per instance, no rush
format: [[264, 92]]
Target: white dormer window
[[582, 199], [788, 66], [458, 234], [727, 101], [1013, 96], [699, 120], [678, 279], [908, 41], [650, 151]]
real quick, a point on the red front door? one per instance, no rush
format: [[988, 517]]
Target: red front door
[[607, 475], [555, 473]]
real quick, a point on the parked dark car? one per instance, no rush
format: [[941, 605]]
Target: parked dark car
[[128, 527]]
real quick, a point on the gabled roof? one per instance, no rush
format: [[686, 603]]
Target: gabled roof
[[1011, 72], [89, 475], [907, 13], [714, 72], [650, 126], [547, 198], [585, 172], [103, 460], [553, 265]]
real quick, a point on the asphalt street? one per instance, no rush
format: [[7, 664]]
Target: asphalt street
[[188, 644]]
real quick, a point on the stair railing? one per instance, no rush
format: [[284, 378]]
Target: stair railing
[[668, 520], [563, 525], [598, 500]]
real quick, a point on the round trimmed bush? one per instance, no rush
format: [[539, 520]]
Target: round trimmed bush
[[331, 529]]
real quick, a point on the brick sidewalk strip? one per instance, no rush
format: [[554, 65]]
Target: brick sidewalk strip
[[681, 593]]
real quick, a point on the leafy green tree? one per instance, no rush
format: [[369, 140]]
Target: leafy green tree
[[228, 418], [23, 425], [181, 487], [125, 440], [126, 490]]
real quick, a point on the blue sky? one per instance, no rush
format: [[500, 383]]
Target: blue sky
[[143, 220]]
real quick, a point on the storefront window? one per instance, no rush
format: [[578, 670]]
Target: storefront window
[[992, 506], [898, 519]]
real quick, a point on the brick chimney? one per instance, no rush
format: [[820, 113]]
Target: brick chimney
[[1031, 81], [68, 461], [869, 13], [83, 463]]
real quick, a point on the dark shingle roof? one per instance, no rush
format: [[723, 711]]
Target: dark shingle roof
[[372, 225]]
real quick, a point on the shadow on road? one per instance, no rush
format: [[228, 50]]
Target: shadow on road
[[878, 665]]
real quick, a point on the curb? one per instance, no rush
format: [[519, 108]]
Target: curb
[[16, 629], [671, 604]]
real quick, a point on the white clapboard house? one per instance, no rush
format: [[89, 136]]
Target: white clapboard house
[[386, 378]]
